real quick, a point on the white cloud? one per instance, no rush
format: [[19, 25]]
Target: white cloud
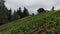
[[32, 5]]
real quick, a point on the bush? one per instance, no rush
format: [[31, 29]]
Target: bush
[[40, 10]]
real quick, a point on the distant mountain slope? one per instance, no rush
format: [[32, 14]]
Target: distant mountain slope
[[43, 23]]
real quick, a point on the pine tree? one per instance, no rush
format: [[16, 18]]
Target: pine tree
[[2, 2], [9, 15], [53, 8], [3, 13], [20, 13], [15, 16], [25, 12]]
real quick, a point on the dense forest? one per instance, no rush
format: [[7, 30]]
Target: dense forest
[[7, 16]]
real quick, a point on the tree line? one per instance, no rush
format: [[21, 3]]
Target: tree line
[[7, 16], [17, 14]]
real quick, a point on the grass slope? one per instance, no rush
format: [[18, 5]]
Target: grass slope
[[43, 23]]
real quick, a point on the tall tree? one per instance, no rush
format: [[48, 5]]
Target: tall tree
[[20, 13], [2, 2], [9, 15], [53, 8], [15, 16], [25, 12], [3, 13]]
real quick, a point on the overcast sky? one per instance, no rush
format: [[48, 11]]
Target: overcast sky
[[32, 5]]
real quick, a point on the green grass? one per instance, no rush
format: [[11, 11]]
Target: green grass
[[43, 23]]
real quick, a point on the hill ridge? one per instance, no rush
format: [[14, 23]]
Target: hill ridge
[[27, 23]]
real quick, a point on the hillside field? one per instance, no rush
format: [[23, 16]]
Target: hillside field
[[43, 23]]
